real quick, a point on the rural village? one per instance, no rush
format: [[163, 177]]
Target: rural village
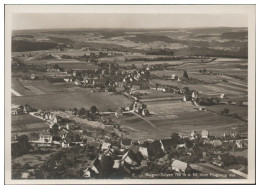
[[117, 104]]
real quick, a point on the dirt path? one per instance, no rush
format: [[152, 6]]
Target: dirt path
[[154, 126]]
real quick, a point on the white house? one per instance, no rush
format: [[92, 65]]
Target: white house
[[179, 166], [45, 137], [204, 134], [173, 76]]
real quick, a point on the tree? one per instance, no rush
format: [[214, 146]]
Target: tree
[[185, 74], [175, 135], [82, 111], [74, 111], [22, 146], [93, 109], [225, 111], [69, 71], [204, 71], [56, 66]]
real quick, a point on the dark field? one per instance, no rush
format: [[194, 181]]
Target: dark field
[[27, 125]]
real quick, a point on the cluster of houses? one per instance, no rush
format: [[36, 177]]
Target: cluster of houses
[[60, 135], [128, 156], [131, 156], [21, 109]]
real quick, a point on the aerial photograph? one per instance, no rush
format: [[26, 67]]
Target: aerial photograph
[[129, 96]]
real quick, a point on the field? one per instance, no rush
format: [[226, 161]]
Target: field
[[65, 64], [27, 124], [183, 122], [242, 111]]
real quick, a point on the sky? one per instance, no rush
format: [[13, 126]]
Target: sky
[[22, 21]]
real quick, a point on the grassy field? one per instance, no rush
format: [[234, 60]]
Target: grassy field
[[103, 101], [242, 111], [27, 124], [44, 95], [169, 107]]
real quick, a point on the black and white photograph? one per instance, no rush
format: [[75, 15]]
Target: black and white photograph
[[129, 94]]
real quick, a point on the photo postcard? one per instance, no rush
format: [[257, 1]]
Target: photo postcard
[[130, 94]]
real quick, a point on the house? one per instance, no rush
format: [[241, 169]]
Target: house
[[75, 73], [180, 167], [27, 108], [181, 146], [63, 133], [33, 76], [16, 110], [218, 161], [53, 70], [66, 142], [222, 95], [216, 143], [77, 82], [173, 76], [126, 143], [193, 135], [194, 95], [161, 89], [25, 175], [131, 159], [167, 144], [144, 152], [135, 87], [93, 169], [117, 164], [106, 146], [145, 112], [204, 134], [120, 84], [45, 137], [239, 144], [69, 79]]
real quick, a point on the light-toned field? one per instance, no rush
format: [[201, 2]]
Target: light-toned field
[[169, 107]]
